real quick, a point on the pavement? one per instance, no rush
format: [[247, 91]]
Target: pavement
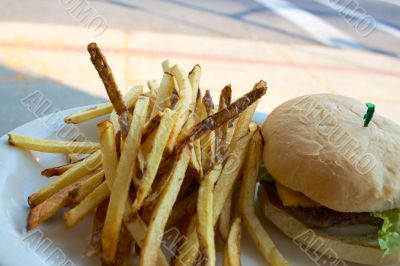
[[299, 47]]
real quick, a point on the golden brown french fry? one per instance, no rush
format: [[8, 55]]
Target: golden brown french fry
[[194, 163], [224, 185], [189, 251], [121, 183], [130, 100], [197, 119], [154, 158], [150, 126], [205, 228], [79, 170], [58, 170], [183, 208], [225, 259], [164, 91], [232, 111], [231, 172], [193, 119], [233, 244], [94, 245], [162, 210], [86, 187], [91, 113], [88, 204], [174, 99], [123, 254], [103, 69], [45, 210], [73, 157], [52, 146], [246, 117], [153, 87], [194, 79], [184, 105], [166, 65], [208, 141], [138, 231], [224, 221], [221, 133], [108, 149], [257, 232]]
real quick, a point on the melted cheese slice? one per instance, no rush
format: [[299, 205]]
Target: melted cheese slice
[[293, 198]]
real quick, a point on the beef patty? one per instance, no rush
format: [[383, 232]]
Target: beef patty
[[320, 217]]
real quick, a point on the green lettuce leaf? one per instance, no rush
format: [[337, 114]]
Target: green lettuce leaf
[[389, 234]]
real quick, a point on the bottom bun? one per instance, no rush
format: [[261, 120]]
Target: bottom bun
[[315, 243]]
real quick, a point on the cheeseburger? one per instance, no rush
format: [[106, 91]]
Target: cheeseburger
[[333, 178]]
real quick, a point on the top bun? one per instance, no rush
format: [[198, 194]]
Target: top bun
[[317, 145]]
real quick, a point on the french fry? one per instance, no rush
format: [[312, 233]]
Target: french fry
[[79, 170], [153, 87], [189, 250], [89, 203], [101, 192], [246, 117], [105, 73], [108, 149], [164, 91], [224, 221], [162, 179], [121, 183], [194, 79], [222, 132], [138, 231], [100, 63], [86, 187], [73, 157], [164, 158], [224, 185], [52, 146], [205, 229], [130, 100], [183, 208], [225, 259], [166, 65], [230, 172], [232, 111], [197, 119], [194, 163], [208, 103], [154, 158], [163, 209], [58, 170], [257, 232], [45, 210], [174, 99], [233, 244], [94, 245], [207, 142], [91, 113], [184, 105], [151, 126], [194, 118], [124, 248]]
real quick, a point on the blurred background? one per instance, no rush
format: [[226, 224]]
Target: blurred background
[[350, 47]]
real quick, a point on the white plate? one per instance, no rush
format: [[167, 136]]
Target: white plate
[[52, 243]]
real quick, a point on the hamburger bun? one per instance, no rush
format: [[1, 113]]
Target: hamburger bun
[[317, 145]]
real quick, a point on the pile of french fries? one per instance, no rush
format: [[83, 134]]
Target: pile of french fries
[[166, 158]]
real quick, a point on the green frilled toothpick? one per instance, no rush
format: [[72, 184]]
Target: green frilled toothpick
[[370, 113]]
